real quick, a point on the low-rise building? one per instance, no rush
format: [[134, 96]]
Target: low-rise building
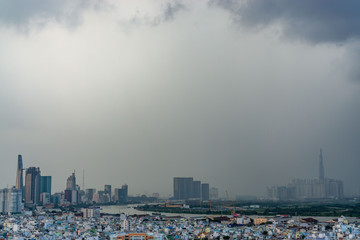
[[91, 212], [258, 221]]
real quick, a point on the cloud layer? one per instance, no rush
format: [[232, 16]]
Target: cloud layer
[[314, 21]]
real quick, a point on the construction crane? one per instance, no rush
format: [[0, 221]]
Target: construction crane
[[232, 209]]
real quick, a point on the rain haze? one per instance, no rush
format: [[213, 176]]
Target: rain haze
[[238, 94]]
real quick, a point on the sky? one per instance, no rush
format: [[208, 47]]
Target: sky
[[238, 94]]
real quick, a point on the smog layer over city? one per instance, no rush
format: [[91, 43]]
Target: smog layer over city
[[240, 95]]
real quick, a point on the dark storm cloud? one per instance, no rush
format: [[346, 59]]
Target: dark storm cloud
[[172, 8], [317, 22], [20, 13], [313, 21], [167, 13]]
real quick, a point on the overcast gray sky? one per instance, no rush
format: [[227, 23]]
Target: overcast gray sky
[[239, 94]]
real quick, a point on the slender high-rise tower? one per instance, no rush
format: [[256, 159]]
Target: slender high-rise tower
[[321, 168], [19, 174]]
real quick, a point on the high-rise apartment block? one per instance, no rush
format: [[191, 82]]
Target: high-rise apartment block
[[183, 188], [205, 190], [186, 188], [10, 200], [121, 194], [196, 189]]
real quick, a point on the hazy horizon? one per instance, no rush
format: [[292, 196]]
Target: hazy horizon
[[238, 94]]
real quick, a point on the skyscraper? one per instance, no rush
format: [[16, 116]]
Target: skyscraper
[[19, 173], [107, 190], [183, 188], [71, 193], [32, 187], [19, 177], [124, 197], [71, 182], [89, 193], [72, 196], [45, 185], [197, 189], [321, 168], [205, 190], [121, 194]]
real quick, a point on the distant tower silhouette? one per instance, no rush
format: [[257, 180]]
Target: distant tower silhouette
[[83, 185], [321, 168], [19, 173], [71, 182]]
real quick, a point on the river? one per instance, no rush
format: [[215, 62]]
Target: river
[[130, 210]]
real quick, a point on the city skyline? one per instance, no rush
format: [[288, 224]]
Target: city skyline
[[309, 189], [45, 184], [240, 94], [184, 188]]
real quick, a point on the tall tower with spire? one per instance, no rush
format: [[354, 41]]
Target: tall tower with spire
[[19, 173], [321, 168]]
